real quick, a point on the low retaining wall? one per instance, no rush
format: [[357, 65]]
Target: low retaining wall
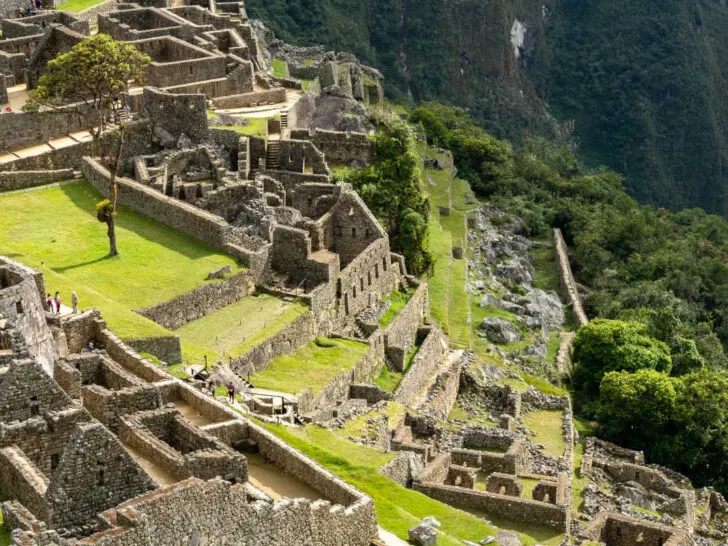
[[197, 303], [20, 180], [287, 340], [165, 348], [519, 509], [243, 100], [567, 284]]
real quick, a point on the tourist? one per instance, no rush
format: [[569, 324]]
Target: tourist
[[57, 299], [74, 302], [8, 110], [29, 8], [231, 392], [38, 4], [90, 347], [49, 302]]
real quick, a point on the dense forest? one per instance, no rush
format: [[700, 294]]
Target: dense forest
[[637, 85], [651, 367]]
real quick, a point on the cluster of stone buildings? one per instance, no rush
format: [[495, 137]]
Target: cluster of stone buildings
[[112, 450], [103, 447]]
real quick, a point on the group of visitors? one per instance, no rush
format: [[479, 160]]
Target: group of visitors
[[53, 304], [212, 386], [32, 6]]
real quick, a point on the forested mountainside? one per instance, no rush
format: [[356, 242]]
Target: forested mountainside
[[644, 82]]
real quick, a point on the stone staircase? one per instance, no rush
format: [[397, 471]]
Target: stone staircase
[[284, 122], [272, 155]]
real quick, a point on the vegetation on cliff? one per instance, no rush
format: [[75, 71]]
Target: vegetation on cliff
[[643, 82], [660, 278]]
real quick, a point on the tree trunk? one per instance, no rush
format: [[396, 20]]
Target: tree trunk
[[111, 232]]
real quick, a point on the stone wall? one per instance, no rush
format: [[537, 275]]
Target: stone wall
[[21, 301], [620, 530], [401, 334], [526, 510], [222, 513], [20, 180], [567, 284], [423, 365], [371, 393], [365, 371], [297, 334], [255, 98], [443, 393], [197, 303], [355, 149], [20, 478], [24, 129], [177, 113], [166, 348]]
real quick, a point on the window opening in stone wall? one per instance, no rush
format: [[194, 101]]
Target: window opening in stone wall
[[369, 277], [100, 474], [55, 459], [353, 291], [376, 271], [19, 307], [640, 538], [339, 231], [353, 232], [34, 406], [4, 282], [361, 284], [384, 263], [367, 232]]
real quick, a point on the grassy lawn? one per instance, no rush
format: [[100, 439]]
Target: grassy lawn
[[280, 68], [458, 303], [544, 264], [399, 300], [388, 380], [548, 426], [441, 247], [56, 231], [77, 5], [398, 508], [256, 127], [237, 328], [312, 366]]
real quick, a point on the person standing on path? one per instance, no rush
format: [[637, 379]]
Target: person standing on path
[[49, 303], [74, 302], [57, 299], [231, 392]]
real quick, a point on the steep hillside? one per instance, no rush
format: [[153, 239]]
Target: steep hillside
[[643, 82]]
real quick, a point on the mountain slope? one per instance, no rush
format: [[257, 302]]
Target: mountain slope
[[644, 81]]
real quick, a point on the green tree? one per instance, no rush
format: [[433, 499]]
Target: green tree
[[93, 79], [635, 408], [604, 346]]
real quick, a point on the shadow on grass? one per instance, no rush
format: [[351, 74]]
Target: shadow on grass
[[85, 196], [62, 270]]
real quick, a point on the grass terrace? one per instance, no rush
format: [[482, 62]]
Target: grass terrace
[[389, 380], [238, 328], [548, 426], [448, 299], [312, 366], [398, 508], [77, 5], [280, 68], [4, 533], [399, 300], [54, 229]]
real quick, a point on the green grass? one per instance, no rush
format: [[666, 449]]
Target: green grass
[[4, 532], [256, 127], [177, 371], [312, 366], [388, 380], [544, 264], [399, 300], [548, 426], [237, 328], [398, 509], [56, 231], [585, 430], [280, 68], [77, 5], [544, 386], [458, 303], [439, 282]]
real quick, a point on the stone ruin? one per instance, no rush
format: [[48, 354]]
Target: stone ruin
[[112, 450]]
